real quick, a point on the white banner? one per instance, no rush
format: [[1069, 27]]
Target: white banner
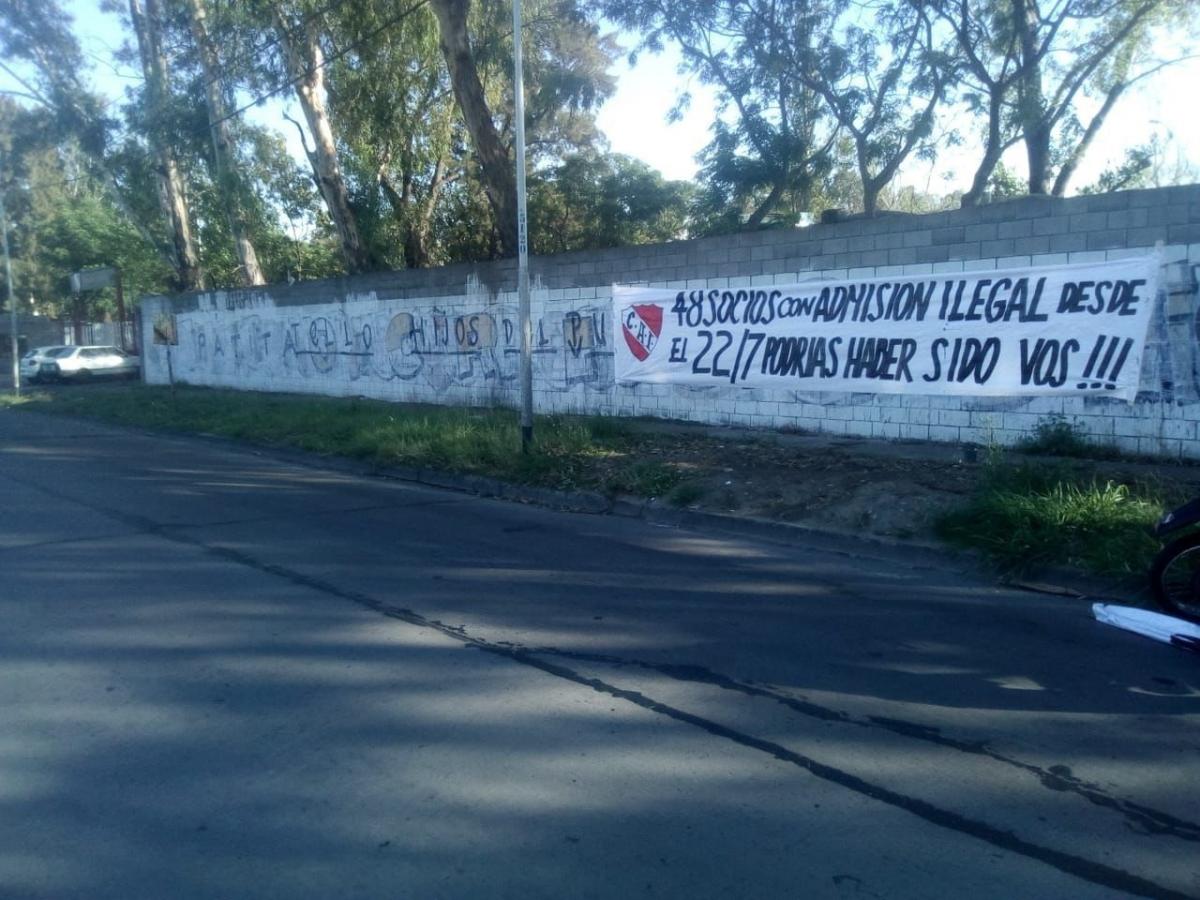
[[1052, 330]]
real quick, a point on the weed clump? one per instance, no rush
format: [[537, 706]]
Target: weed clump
[[1056, 436], [1027, 517]]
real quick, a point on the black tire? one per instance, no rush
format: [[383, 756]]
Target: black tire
[[1175, 578], [83, 375]]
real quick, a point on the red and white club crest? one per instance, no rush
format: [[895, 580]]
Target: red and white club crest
[[641, 324]]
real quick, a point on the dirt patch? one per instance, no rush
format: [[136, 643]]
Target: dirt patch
[[895, 489], [816, 481]]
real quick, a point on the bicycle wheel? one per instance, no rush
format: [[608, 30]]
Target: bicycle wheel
[[1175, 578]]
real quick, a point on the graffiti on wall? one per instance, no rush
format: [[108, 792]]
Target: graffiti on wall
[[471, 344], [430, 346]]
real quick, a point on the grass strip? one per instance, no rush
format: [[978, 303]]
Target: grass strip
[[1026, 517], [568, 452]]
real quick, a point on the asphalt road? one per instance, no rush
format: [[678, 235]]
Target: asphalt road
[[226, 675]]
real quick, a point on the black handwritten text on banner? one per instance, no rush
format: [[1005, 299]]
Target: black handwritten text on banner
[[1053, 330]]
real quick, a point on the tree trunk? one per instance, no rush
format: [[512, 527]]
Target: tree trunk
[[1067, 171], [224, 164], [1031, 103], [415, 220], [170, 182], [871, 186], [993, 149], [306, 64], [768, 204], [414, 256], [1037, 147], [871, 190], [499, 178]]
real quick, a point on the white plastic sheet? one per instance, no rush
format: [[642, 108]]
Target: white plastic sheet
[[1154, 625]]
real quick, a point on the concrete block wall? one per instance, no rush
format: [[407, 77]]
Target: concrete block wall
[[449, 335]]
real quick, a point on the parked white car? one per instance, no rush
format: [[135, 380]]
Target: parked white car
[[31, 363], [82, 363]]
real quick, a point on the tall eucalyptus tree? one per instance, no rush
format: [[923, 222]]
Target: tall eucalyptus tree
[[226, 167], [147, 17]]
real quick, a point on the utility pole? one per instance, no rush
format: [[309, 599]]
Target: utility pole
[[12, 299], [522, 241], [120, 312]]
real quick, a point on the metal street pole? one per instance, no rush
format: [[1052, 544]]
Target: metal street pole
[[120, 312], [12, 299], [522, 241]]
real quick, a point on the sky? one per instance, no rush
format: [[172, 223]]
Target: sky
[[635, 122], [635, 119]]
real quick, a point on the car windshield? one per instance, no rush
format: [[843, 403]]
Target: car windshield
[[60, 352]]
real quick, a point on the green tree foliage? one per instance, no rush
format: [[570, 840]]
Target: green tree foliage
[[64, 220], [40, 53], [882, 77], [802, 86], [772, 137], [820, 105], [605, 200], [407, 143], [1026, 65]]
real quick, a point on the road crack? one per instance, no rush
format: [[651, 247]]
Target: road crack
[[544, 660]]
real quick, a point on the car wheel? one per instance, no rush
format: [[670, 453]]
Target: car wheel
[[83, 375]]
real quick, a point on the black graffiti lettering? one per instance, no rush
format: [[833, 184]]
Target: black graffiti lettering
[[574, 330], [1095, 376], [757, 337], [800, 357], [678, 350], [1008, 298], [716, 370], [949, 310], [900, 302], [998, 301], [321, 334], [725, 307], [722, 309], [884, 359], [1096, 297], [708, 341], [679, 307], [466, 331], [1046, 363], [441, 331], [968, 358], [978, 360]]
